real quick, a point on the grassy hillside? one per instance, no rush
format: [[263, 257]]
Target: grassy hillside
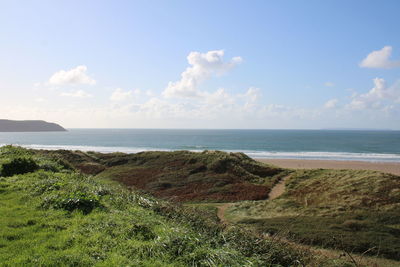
[[181, 175], [344, 209], [53, 216], [351, 211]]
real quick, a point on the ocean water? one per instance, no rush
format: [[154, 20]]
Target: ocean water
[[297, 144]]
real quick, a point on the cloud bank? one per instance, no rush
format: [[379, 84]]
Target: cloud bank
[[76, 94], [120, 95], [380, 96]]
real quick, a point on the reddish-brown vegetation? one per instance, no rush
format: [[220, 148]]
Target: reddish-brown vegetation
[[182, 175]]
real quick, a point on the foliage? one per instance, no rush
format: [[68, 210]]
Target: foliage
[[83, 201], [18, 166]]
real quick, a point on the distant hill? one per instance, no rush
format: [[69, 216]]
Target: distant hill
[[29, 126]]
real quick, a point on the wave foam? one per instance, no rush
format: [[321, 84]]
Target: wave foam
[[254, 154]]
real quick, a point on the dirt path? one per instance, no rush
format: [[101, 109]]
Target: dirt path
[[221, 212], [278, 189]]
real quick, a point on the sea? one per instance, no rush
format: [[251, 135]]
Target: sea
[[360, 145]]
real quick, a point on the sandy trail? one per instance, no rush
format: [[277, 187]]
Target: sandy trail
[[278, 189], [221, 212]]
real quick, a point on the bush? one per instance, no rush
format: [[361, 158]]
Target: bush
[[82, 201], [219, 165], [18, 166], [57, 165], [141, 232]]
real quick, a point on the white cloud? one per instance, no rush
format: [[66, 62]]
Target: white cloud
[[76, 94], [393, 92], [252, 94], [332, 103], [220, 96], [120, 95], [251, 98], [371, 98], [203, 66], [380, 96], [329, 84], [70, 77], [380, 59], [149, 93]]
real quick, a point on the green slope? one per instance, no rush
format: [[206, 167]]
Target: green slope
[[53, 216], [181, 176]]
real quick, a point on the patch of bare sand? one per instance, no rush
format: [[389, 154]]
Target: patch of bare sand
[[221, 212], [389, 167], [278, 189]]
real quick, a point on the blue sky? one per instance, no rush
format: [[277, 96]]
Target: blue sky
[[201, 64]]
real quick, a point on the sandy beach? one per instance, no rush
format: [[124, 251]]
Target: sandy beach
[[390, 167]]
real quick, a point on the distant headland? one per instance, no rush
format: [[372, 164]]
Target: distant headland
[[29, 126]]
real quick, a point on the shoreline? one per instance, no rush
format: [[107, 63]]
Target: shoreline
[[392, 167], [388, 167], [267, 155]]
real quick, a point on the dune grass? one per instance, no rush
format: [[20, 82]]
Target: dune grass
[[54, 216], [354, 211], [181, 176]]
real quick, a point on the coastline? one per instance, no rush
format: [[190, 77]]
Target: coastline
[[389, 167], [293, 163]]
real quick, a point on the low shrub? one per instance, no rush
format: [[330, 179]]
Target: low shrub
[[141, 232], [82, 201], [219, 165], [57, 165], [18, 166]]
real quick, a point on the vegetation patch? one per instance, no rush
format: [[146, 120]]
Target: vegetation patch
[[349, 210], [181, 176], [83, 201], [18, 166]]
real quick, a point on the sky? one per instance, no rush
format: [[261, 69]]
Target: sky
[[201, 64]]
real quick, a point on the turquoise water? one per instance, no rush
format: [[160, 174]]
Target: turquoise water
[[300, 144]]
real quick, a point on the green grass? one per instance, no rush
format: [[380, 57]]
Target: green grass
[[57, 217], [208, 210]]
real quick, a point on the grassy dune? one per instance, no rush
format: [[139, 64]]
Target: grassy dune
[[54, 216], [211, 176], [355, 211], [66, 208]]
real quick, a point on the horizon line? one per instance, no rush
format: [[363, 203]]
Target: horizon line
[[289, 129]]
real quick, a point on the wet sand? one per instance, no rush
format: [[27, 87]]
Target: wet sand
[[390, 167]]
